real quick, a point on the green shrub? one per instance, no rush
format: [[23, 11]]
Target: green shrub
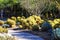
[[35, 28]]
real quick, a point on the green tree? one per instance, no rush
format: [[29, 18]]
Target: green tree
[[6, 3]]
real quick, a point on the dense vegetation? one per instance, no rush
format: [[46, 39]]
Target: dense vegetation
[[33, 15], [49, 8], [46, 9]]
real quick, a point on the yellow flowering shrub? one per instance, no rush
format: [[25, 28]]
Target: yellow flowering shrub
[[13, 26], [13, 18], [1, 22], [23, 17], [35, 19], [18, 18], [20, 26], [3, 30], [11, 22], [30, 21], [54, 22], [7, 37]]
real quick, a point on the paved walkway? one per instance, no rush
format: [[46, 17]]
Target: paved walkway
[[24, 35]]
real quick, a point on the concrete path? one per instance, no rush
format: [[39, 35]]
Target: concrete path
[[24, 35]]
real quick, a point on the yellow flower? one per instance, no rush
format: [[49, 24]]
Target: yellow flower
[[58, 20], [3, 30], [13, 26], [13, 18], [55, 21], [20, 26], [11, 22], [1, 22]]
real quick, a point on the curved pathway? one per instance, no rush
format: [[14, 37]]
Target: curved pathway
[[24, 35]]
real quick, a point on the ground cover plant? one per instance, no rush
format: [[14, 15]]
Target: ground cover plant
[[7, 37]]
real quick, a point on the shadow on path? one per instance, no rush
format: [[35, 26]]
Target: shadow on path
[[24, 35]]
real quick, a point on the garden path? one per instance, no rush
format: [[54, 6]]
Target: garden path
[[24, 35]]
